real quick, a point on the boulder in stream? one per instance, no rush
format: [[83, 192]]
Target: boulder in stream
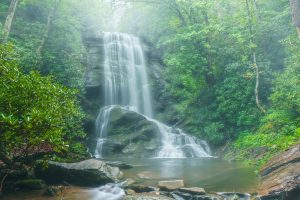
[[138, 188], [130, 134], [90, 172], [171, 185]]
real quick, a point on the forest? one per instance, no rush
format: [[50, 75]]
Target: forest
[[227, 72]]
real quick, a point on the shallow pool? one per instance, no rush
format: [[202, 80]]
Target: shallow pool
[[213, 174]]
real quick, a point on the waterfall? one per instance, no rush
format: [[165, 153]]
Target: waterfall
[[126, 81], [126, 85]]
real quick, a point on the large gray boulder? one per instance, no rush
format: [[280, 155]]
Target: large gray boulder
[[130, 134], [90, 172]]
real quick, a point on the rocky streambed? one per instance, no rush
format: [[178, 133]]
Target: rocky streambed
[[113, 180]]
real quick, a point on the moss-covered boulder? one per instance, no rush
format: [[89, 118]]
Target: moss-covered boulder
[[31, 184], [130, 134]]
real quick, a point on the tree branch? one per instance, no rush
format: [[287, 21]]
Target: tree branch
[[256, 90]]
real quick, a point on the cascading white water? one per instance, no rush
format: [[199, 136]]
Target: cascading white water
[[126, 85], [177, 144], [126, 81], [101, 128], [109, 191]]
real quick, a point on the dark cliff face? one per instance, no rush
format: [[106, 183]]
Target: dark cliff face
[[160, 95], [93, 99], [94, 60]]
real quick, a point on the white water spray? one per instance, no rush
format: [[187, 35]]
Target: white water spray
[[109, 191]]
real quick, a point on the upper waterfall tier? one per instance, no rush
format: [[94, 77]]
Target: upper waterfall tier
[[126, 81]]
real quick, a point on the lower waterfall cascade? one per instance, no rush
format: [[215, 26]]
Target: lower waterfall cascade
[[126, 85]]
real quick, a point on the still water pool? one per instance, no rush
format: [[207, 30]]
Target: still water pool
[[213, 174]]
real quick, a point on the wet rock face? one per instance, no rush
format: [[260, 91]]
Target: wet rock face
[[281, 176], [125, 138], [94, 81], [85, 173], [94, 59]]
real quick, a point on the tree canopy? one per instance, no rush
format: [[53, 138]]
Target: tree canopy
[[36, 114]]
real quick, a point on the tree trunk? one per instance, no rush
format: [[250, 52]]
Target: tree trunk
[[257, 84], [175, 7], [49, 24], [255, 65], [209, 75], [295, 6], [9, 19]]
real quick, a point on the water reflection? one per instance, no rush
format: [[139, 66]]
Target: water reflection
[[170, 168], [210, 173]]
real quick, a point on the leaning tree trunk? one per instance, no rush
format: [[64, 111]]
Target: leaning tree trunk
[[9, 19], [48, 27], [254, 61], [295, 6]]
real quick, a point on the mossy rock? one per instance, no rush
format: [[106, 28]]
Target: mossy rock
[[130, 134], [31, 184]]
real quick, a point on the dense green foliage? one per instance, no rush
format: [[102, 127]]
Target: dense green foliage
[[36, 114], [41, 73], [280, 128], [63, 50]]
